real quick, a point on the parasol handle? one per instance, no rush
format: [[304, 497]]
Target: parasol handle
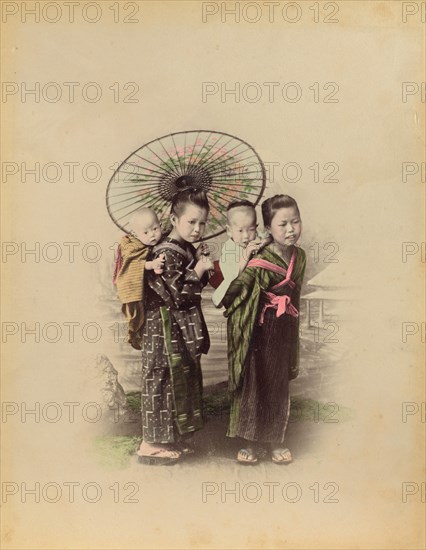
[[209, 271], [207, 254]]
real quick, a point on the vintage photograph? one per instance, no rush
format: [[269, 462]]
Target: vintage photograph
[[213, 254]]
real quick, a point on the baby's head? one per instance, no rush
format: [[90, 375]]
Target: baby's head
[[145, 225], [242, 222]]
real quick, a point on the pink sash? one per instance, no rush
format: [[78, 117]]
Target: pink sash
[[281, 303]]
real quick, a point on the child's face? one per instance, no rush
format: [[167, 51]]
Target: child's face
[[191, 223], [147, 229], [286, 226], [241, 227]]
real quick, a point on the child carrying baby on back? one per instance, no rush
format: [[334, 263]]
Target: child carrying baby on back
[[243, 242], [130, 266]]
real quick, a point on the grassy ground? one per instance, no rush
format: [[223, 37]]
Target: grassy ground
[[115, 451]]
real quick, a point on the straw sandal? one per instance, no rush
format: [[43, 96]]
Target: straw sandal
[[247, 456], [281, 456], [159, 457]]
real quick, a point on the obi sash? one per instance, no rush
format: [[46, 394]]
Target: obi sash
[[281, 303]]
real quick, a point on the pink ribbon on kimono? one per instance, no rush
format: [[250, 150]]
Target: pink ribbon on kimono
[[281, 303]]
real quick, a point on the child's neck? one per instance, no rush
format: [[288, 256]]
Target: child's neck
[[175, 235], [282, 250]]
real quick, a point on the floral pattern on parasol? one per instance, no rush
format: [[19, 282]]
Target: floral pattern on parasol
[[224, 166]]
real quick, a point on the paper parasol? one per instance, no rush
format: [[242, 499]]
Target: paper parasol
[[226, 167]]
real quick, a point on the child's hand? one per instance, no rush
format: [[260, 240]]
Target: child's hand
[[202, 250], [252, 247], [206, 263], [158, 264], [265, 241], [203, 265]]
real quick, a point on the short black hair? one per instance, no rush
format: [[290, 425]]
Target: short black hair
[[238, 204]]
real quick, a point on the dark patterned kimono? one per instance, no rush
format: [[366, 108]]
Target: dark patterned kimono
[[263, 344], [174, 337]]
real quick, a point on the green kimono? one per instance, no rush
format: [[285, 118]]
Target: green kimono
[[263, 344]]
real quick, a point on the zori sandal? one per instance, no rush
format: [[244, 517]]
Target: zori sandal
[[281, 456], [159, 457], [247, 456]]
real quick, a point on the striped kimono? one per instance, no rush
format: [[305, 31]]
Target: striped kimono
[[173, 339], [263, 344], [128, 276], [130, 269]]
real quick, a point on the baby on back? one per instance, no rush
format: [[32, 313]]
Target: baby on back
[[145, 232], [243, 241]]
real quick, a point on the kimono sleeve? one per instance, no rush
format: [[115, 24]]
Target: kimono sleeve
[[180, 280], [240, 290], [303, 265]]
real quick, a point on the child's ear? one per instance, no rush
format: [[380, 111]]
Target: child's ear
[[228, 230], [173, 219]]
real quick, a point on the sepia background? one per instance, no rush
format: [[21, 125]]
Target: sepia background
[[340, 84]]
